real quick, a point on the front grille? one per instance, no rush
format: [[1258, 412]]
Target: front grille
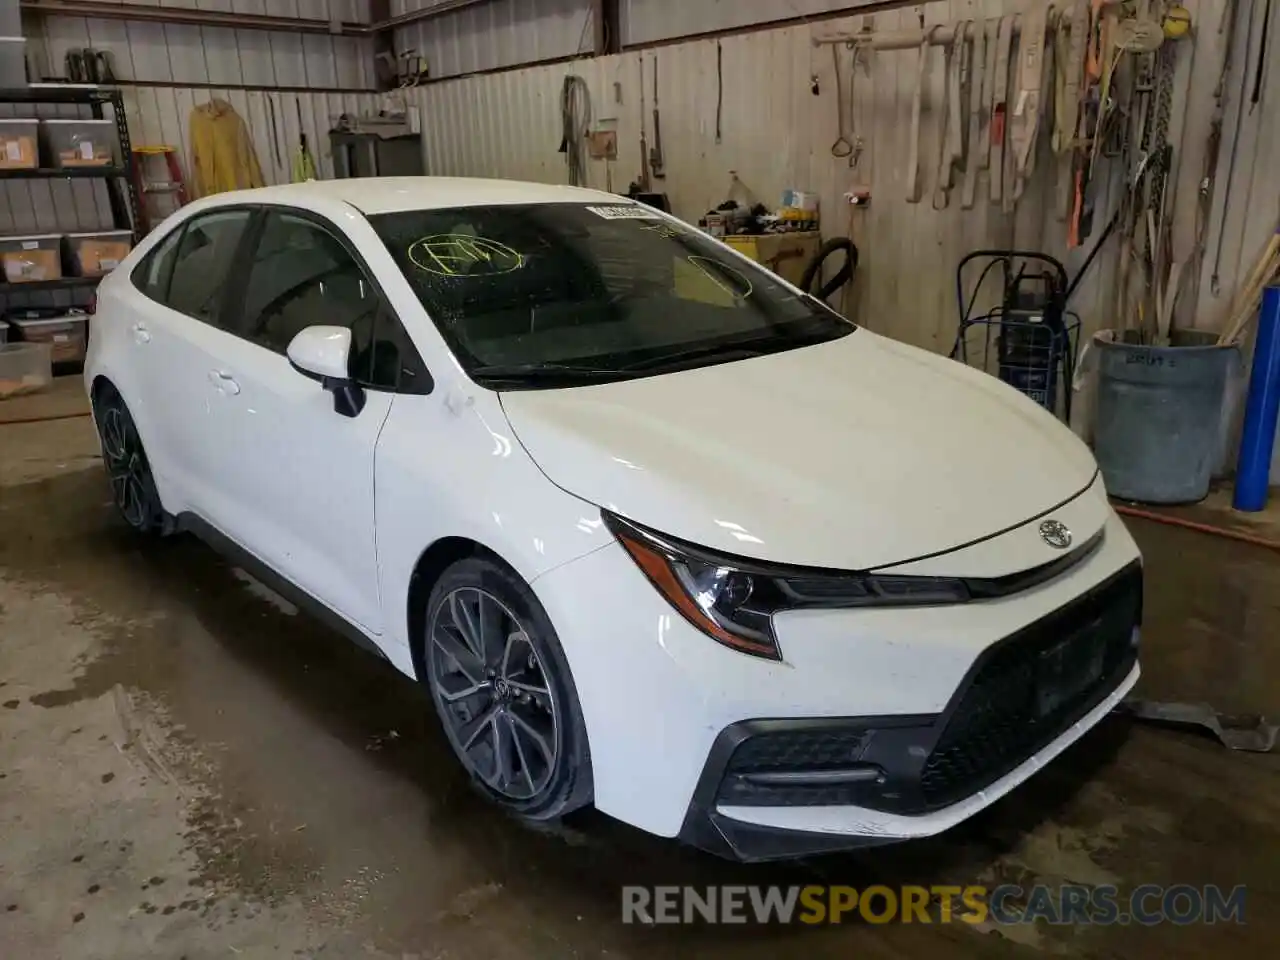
[[1030, 688]]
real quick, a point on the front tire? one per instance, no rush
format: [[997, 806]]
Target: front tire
[[502, 689], [132, 484]]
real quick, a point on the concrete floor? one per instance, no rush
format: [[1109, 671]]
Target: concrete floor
[[189, 769]]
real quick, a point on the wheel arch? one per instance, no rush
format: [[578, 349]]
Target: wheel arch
[[101, 382], [431, 565]]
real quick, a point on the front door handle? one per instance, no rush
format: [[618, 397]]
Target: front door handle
[[140, 333], [224, 382]]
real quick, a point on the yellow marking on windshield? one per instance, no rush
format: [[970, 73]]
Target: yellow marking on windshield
[[716, 271], [464, 255], [663, 229]]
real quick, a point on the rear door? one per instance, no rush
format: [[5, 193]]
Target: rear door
[[177, 334]]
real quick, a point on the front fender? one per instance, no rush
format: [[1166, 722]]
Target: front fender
[[449, 466]]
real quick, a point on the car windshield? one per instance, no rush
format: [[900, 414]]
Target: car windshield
[[552, 294]]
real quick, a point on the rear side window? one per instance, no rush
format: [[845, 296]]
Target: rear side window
[[202, 267], [152, 275]]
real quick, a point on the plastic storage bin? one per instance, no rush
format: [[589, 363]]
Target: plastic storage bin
[[64, 333], [32, 258], [81, 143], [13, 55], [24, 368], [19, 144], [97, 253]]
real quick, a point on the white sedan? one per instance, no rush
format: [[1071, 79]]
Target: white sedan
[[657, 531]]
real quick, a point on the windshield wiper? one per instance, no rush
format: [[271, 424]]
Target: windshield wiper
[[539, 369], [722, 351]]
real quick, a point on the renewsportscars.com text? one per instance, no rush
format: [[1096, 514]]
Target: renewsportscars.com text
[[1068, 904]]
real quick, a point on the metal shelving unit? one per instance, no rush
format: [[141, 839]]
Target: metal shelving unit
[[122, 197], [121, 194]]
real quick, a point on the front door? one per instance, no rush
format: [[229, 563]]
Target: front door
[[303, 473]]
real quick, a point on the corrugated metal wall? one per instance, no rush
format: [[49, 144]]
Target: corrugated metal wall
[[182, 66], [182, 54], [647, 21], [775, 133], [160, 115], [500, 33]]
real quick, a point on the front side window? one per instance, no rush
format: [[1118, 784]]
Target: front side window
[[541, 295], [202, 268], [302, 276]]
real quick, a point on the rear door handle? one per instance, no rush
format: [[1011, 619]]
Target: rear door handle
[[140, 333], [224, 382]]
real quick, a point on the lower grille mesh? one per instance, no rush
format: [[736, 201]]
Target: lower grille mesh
[[1031, 688]]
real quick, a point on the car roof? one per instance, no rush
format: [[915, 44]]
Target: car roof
[[373, 195]]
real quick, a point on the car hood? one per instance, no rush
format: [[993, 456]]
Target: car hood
[[851, 454]]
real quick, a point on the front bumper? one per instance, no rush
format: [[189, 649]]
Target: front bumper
[[774, 788], [660, 699]]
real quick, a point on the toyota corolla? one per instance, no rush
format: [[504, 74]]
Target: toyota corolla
[[655, 530]]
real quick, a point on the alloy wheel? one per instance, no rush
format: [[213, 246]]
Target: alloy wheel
[[494, 693], [126, 465]]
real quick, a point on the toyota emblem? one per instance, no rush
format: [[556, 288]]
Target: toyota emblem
[[1055, 534]]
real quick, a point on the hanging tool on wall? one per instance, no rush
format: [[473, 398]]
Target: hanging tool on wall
[[575, 121], [276, 164], [914, 188], [1259, 70], [1080, 221], [951, 119], [1215, 280], [719, 88], [1025, 122], [843, 146], [656, 163], [977, 85], [643, 183], [999, 106], [990, 38], [1069, 65], [304, 165]]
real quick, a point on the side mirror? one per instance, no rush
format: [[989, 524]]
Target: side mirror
[[324, 354]]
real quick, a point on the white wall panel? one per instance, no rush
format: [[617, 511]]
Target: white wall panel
[[777, 134], [501, 33]]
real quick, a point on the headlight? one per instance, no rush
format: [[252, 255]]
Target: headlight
[[733, 600]]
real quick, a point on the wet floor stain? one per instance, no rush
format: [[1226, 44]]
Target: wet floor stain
[[324, 780]]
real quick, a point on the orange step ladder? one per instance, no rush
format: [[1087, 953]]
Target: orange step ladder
[[175, 185]]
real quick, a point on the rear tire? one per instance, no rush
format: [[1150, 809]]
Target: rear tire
[[132, 485], [503, 692]]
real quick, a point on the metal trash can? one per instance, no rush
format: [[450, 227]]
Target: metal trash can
[[1159, 412]]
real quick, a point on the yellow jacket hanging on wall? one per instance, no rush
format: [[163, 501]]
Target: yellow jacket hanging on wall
[[222, 154]]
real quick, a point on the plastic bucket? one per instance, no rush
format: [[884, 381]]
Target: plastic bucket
[[1159, 416]]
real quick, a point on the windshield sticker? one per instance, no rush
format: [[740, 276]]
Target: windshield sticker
[[727, 278], [464, 255], [629, 211]]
